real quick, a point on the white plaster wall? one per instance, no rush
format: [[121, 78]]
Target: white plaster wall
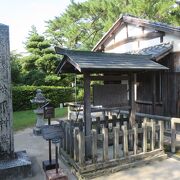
[[148, 30], [174, 39], [134, 30], [147, 43], [125, 47], [121, 34]]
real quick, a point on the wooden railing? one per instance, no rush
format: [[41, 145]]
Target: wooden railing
[[170, 126], [111, 141]]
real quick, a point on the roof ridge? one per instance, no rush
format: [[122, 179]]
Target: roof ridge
[[156, 23]]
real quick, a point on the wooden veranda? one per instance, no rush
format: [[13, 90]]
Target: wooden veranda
[[81, 140]]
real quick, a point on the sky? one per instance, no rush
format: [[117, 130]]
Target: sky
[[20, 15]]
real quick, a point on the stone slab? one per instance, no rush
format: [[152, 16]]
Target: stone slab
[[52, 175], [16, 168]]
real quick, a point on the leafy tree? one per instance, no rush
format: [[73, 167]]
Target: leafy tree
[[41, 60], [83, 24], [15, 67], [158, 10]]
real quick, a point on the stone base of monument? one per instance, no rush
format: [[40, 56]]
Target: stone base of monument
[[48, 166], [37, 131], [18, 167], [52, 175]]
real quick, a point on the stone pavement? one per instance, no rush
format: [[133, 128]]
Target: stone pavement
[[37, 149]]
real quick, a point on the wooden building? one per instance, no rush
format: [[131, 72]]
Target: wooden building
[[109, 144], [133, 35]]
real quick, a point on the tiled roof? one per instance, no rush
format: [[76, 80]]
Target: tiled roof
[[88, 61], [156, 52]]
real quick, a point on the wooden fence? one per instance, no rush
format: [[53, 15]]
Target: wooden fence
[[112, 143]]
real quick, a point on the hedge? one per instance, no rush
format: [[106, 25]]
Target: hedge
[[23, 94]]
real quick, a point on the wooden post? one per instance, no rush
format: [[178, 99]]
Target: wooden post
[[125, 140], [106, 122], [161, 138], [105, 144], [153, 92], [69, 112], [80, 124], [66, 137], [114, 118], [116, 142], [81, 143], [173, 136], [98, 125], [135, 128], [76, 152], [94, 145], [71, 138], [132, 101], [144, 126], [121, 120], [153, 134], [87, 112]]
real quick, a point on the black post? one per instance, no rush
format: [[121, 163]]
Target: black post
[[50, 158], [56, 158], [50, 154]]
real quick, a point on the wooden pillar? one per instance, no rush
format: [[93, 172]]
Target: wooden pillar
[[66, 137], [116, 142], [98, 125], [105, 144], [114, 119], [161, 133], [125, 140], [94, 146], [144, 126], [87, 113], [153, 92], [135, 128], [69, 112], [76, 151], [81, 143], [173, 136], [106, 125], [153, 134], [132, 101]]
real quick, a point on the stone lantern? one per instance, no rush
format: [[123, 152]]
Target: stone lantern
[[39, 100]]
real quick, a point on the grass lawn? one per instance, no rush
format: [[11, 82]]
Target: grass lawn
[[24, 119]]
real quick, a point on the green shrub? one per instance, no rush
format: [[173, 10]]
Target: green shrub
[[23, 94]]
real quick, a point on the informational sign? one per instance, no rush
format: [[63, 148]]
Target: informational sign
[[52, 132], [49, 111]]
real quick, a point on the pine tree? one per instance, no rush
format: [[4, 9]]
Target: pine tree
[[83, 24], [41, 60]]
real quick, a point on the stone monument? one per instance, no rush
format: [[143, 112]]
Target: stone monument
[[11, 164]]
